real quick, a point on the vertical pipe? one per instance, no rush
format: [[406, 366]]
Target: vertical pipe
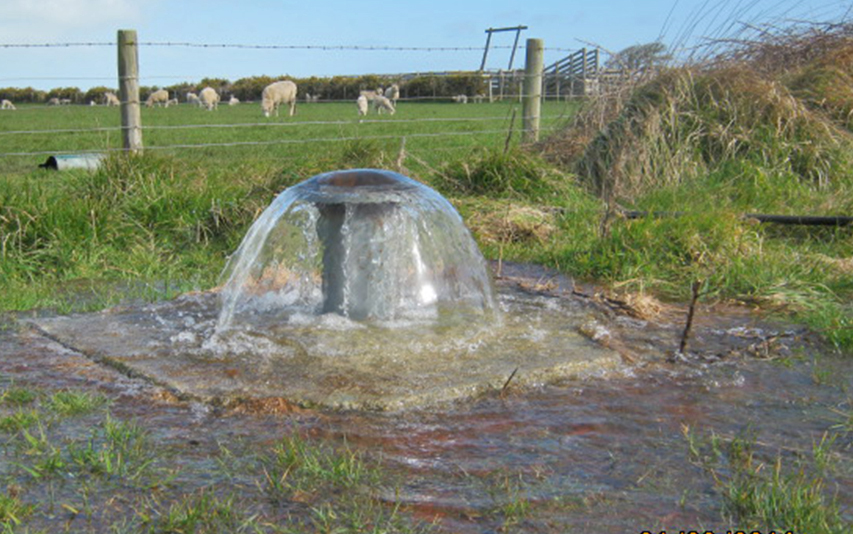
[[532, 90], [128, 82]]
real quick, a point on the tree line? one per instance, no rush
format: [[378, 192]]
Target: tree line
[[426, 86]]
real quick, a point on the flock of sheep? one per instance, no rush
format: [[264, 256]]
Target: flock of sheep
[[273, 96]]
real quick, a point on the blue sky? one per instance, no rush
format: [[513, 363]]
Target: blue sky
[[562, 25]]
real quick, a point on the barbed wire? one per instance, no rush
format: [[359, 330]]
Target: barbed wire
[[368, 48], [248, 125]]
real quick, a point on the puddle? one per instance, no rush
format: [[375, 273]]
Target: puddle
[[589, 454]]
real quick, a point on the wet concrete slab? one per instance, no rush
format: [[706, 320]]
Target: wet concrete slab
[[327, 364]]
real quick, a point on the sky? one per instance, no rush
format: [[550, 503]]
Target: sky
[[306, 38]]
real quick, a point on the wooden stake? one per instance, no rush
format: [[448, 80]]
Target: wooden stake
[[128, 83]]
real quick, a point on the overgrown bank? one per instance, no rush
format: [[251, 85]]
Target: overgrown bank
[[762, 128]]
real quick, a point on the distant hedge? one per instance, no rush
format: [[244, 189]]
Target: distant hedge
[[247, 89]]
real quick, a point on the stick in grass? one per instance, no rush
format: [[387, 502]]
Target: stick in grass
[[686, 334], [508, 380]]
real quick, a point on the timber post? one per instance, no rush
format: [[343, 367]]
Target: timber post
[[128, 82], [532, 105]]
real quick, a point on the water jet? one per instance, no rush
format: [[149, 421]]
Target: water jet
[[366, 244]]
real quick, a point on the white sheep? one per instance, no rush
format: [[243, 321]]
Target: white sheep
[[159, 97], [278, 93], [233, 101], [6, 104], [392, 93], [381, 103], [478, 98], [53, 102], [192, 98], [172, 102], [110, 99], [361, 103], [461, 99], [370, 95], [209, 98]]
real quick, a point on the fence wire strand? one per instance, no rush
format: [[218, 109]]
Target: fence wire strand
[[275, 142]]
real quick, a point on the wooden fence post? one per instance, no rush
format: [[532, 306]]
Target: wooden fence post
[[532, 91], [128, 82]]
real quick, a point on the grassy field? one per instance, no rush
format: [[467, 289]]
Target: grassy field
[[242, 135]]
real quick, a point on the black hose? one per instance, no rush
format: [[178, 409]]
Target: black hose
[[805, 220]]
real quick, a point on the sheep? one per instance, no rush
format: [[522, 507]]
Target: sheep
[[159, 97], [209, 98], [110, 99], [361, 103], [53, 102], [478, 98], [192, 98], [172, 102], [278, 93], [392, 93], [382, 103], [370, 95], [6, 104], [65, 102], [233, 101], [460, 99]]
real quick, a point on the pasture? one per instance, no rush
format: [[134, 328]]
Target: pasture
[[241, 135]]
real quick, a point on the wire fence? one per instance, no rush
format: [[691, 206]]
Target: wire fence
[[48, 130]]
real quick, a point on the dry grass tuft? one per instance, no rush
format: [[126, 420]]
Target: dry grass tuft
[[515, 224], [785, 102]]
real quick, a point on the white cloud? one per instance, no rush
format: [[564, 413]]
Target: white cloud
[[31, 21]]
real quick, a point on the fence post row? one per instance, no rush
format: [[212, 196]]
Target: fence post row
[[128, 82], [532, 92]]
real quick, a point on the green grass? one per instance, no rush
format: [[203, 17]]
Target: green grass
[[760, 492]]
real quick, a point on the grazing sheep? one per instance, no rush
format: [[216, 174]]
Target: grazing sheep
[[209, 98], [278, 93], [110, 99], [6, 104], [233, 101], [172, 102], [382, 103], [479, 97], [193, 98], [53, 102], [159, 97], [460, 99], [392, 93], [371, 95], [361, 103], [65, 102]]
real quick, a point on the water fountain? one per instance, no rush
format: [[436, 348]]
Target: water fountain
[[366, 244], [356, 289]]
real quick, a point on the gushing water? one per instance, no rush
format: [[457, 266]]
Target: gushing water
[[369, 245]]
